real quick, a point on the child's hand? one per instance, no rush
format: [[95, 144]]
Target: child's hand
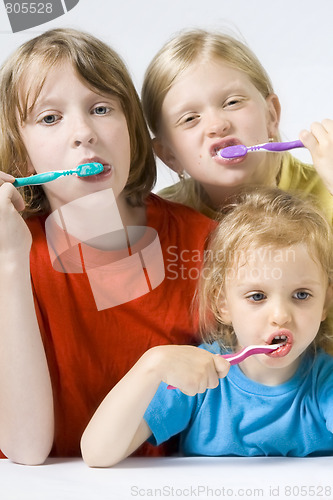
[[190, 369], [15, 236], [320, 144]]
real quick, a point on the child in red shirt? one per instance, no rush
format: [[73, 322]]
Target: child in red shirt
[[78, 306]]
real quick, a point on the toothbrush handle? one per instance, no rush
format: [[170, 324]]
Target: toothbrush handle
[[282, 146], [37, 179]]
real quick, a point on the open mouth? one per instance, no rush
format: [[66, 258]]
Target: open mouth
[[279, 339], [224, 143], [283, 337], [217, 148]]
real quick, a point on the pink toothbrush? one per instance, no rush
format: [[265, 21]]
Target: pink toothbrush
[[240, 150], [238, 357]]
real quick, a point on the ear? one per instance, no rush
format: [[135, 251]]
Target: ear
[[30, 168], [165, 154], [273, 114], [224, 309], [328, 302]]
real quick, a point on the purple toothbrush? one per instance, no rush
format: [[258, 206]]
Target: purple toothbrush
[[240, 150], [238, 357]]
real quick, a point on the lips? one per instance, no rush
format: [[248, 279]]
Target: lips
[[106, 172], [224, 143], [281, 336]]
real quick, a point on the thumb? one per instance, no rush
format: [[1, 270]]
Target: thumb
[[222, 366]]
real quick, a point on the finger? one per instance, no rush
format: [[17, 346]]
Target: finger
[[11, 195], [328, 125], [4, 177], [213, 380], [222, 366], [318, 131], [308, 139]]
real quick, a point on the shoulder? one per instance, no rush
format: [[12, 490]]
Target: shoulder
[[303, 179], [177, 212], [295, 173], [317, 370], [214, 348], [322, 364], [189, 193]]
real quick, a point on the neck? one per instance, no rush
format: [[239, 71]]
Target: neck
[[217, 197], [268, 375], [99, 219]]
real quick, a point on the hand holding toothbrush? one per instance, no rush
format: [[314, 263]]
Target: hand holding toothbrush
[[15, 237], [191, 369], [319, 141]]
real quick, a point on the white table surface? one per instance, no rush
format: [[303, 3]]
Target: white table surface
[[190, 478]]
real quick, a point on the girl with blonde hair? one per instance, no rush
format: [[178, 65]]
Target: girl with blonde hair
[[266, 281], [204, 91]]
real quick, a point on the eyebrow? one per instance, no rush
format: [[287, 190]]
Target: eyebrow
[[234, 87], [51, 102]]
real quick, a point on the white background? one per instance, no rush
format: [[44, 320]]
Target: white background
[[294, 41], [292, 38]]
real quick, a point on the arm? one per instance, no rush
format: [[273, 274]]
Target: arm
[[26, 403], [319, 142], [118, 427]]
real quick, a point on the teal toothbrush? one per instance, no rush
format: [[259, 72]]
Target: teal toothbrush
[[84, 170]]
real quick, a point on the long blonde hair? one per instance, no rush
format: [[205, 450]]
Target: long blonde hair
[[101, 69], [268, 218]]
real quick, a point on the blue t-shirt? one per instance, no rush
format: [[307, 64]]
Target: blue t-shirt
[[244, 418]]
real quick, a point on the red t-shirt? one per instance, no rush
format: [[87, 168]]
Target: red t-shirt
[[90, 350]]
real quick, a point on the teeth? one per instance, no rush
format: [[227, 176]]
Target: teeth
[[280, 338]]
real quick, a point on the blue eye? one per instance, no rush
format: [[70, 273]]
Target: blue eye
[[49, 119], [257, 297], [302, 295], [100, 110]]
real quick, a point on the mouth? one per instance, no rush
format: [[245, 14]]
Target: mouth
[[105, 173], [220, 145], [283, 337]]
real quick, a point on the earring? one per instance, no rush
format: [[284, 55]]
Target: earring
[[181, 176], [271, 139]]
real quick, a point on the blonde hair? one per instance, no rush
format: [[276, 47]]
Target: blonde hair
[[264, 217], [102, 70], [176, 56]]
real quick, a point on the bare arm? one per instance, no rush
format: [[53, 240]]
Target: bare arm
[[118, 428], [26, 402]]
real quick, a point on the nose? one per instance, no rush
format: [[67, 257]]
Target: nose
[[217, 123], [279, 313], [83, 133]]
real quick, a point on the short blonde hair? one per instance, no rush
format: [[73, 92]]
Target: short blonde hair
[[101, 69], [264, 217]]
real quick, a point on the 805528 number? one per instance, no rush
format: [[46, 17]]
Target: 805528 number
[[308, 491], [29, 8]]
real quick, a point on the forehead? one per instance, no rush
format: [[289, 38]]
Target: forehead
[[207, 78], [49, 83], [33, 79], [292, 263]]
